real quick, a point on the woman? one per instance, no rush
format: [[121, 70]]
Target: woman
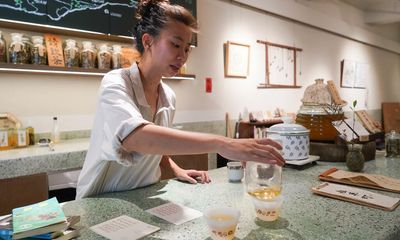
[[131, 137]]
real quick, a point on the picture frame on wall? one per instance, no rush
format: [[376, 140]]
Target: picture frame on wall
[[237, 57]]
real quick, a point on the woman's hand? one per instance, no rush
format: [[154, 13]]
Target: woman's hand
[[258, 150], [192, 175]]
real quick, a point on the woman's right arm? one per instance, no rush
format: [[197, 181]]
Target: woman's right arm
[[153, 139]]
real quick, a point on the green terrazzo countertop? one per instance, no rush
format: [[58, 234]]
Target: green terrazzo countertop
[[67, 155], [304, 214]]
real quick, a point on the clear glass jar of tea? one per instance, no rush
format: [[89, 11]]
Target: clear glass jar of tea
[[88, 55], [104, 57], [38, 51], [19, 49], [71, 53], [3, 47], [116, 56]]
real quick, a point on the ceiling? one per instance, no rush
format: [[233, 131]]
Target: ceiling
[[378, 11]]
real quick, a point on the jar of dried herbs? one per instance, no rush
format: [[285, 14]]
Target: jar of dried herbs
[[3, 54], [38, 51], [88, 55], [104, 57], [116, 56], [71, 53], [18, 50]]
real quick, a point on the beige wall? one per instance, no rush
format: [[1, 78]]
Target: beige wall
[[36, 98]]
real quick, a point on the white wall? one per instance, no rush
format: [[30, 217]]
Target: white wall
[[36, 98]]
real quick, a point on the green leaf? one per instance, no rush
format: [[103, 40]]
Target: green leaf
[[354, 103]]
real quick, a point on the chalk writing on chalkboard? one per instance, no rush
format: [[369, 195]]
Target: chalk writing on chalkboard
[[114, 17]]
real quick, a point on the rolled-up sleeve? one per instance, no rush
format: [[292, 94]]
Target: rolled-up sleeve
[[121, 117]]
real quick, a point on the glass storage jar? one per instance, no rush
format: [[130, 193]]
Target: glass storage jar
[[104, 57], [392, 143], [116, 56], [18, 50], [71, 53], [38, 51], [88, 55], [3, 54]]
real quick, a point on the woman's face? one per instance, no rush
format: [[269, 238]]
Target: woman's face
[[171, 48]]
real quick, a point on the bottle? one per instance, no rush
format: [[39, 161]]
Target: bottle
[[38, 51], [71, 53], [55, 134], [3, 55], [104, 57]]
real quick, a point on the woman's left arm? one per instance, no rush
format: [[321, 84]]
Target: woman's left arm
[[189, 175]]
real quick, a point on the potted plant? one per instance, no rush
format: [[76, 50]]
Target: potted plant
[[354, 157]]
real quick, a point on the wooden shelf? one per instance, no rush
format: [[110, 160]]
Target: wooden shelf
[[42, 69], [33, 27]]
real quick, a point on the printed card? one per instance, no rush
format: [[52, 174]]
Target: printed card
[[124, 227], [175, 213]]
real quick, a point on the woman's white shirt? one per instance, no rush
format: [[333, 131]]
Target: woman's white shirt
[[122, 107]]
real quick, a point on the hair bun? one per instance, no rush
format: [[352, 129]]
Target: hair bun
[[145, 7]]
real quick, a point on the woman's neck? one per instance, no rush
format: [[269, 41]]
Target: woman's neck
[[150, 78]]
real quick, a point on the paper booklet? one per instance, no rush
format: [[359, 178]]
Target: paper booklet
[[362, 179], [124, 227], [357, 195]]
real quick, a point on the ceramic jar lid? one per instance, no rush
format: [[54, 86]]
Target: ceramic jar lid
[[288, 129]]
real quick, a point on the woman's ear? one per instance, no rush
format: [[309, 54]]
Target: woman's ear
[[147, 40]]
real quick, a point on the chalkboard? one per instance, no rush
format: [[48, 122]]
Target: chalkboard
[[109, 17]]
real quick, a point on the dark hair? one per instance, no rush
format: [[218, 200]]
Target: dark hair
[[153, 15]]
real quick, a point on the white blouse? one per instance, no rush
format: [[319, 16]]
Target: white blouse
[[122, 107]]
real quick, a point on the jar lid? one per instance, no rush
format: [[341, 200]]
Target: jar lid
[[288, 128]]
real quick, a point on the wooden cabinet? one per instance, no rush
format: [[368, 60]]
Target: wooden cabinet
[[246, 129]]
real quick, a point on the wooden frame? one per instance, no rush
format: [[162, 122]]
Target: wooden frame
[[237, 57], [280, 75]]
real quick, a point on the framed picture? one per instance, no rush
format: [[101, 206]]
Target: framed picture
[[237, 57], [282, 68]]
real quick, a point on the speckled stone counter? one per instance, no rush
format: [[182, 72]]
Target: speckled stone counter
[[304, 215], [67, 155]]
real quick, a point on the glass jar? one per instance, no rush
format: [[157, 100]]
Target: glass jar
[[104, 57], [3, 54], [116, 56], [392, 143], [263, 181], [354, 158], [71, 53], [38, 51], [18, 49], [88, 55]]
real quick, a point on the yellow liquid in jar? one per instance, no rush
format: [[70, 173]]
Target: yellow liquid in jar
[[266, 193]]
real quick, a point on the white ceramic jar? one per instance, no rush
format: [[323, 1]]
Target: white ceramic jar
[[295, 140]]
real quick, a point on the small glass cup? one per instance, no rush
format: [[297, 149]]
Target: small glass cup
[[268, 210], [235, 171], [222, 222]]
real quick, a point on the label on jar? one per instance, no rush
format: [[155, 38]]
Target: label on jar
[[72, 53], [17, 47], [22, 141], [41, 50], [3, 138]]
